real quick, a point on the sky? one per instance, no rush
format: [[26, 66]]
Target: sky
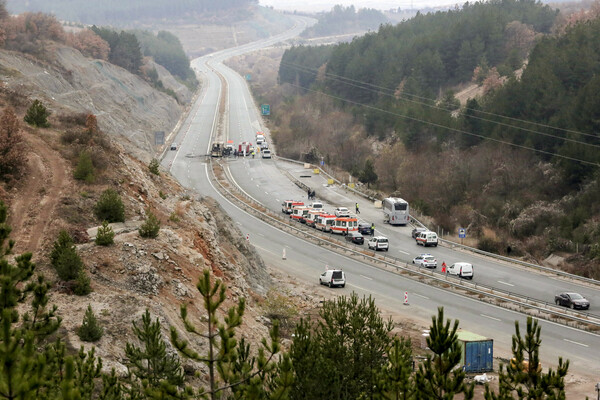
[[326, 5]]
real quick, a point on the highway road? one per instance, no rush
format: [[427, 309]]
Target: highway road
[[263, 180]]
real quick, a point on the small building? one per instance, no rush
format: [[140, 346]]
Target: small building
[[477, 352]]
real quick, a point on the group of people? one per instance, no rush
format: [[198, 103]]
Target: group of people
[[311, 194]]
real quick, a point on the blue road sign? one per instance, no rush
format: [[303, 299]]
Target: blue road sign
[[462, 233], [265, 109]]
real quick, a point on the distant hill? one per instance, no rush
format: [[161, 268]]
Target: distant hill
[[118, 12]]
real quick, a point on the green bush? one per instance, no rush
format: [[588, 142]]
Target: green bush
[[150, 227], [68, 264], [154, 166], [105, 235], [90, 329], [85, 171], [37, 115], [64, 241], [82, 284], [110, 207]]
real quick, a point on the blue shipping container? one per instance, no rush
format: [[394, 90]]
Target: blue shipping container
[[477, 352]]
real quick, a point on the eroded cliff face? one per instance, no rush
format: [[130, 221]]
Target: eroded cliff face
[[125, 105]]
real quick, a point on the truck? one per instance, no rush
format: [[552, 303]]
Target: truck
[[217, 149]]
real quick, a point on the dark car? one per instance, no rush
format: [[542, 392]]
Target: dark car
[[416, 231], [365, 228], [572, 300], [355, 237]]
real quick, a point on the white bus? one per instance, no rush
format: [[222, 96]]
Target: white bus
[[395, 211]]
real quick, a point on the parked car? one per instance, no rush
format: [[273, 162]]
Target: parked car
[[572, 300], [266, 153], [416, 231], [425, 260], [342, 212], [365, 228], [173, 146], [355, 237], [461, 269], [378, 243], [427, 238], [333, 277], [316, 205]]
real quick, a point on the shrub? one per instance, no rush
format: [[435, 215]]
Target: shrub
[[279, 307], [150, 227], [153, 166], [162, 195], [68, 264], [63, 242], [84, 171], [110, 207], [105, 235], [82, 284], [90, 329], [490, 245], [37, 115]]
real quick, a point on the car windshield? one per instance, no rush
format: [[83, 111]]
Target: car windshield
[[383, 240], [430, 258], [575, 296], [336, 275]]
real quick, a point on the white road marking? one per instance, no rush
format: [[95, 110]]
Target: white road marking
[[403, 252], [487, 316], [366, 277], [506, 283], [267, 193], [420, 295], [260, 234], [577, 343]]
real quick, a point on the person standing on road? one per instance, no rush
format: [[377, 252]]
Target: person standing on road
[[357, 210], [372, 229], [309, 193], [444, 268]]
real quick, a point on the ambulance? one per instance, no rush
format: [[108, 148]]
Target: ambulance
[[344, 225], [287, 205], [324, 222]]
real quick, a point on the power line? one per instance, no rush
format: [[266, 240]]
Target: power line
[[449, 128], [388, 92]]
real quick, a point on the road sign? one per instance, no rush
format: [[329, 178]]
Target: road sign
[[159, 137], [405, 298], [462, 233], [265, 109]]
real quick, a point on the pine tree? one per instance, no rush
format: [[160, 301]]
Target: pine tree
[[150, 227], [90, 329], [105, 235], [368, 174], [230, 366], [524, 377], [343, 353], [395, 381], [154, 166], [37, 115], [23, 329], [438, 378], [110, 207], [151, 365], [84, 171]]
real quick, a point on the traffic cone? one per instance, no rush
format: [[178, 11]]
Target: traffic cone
[[283, 254]]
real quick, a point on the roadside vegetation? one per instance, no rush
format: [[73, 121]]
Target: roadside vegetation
[[516, 166]]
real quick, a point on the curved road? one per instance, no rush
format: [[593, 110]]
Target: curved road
[[263, 180]]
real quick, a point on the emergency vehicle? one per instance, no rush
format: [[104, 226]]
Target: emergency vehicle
[[343, 225], [287, 205], [299, 212], [324, 222], [311, 218]]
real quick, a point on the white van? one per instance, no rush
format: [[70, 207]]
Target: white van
[[427, 238], [333, 277], [378, 243], [461, 269]]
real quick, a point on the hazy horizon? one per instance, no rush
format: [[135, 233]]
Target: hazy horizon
[[326, 5]]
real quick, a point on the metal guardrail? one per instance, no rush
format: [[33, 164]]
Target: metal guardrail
[[483, 291], [540, 268]]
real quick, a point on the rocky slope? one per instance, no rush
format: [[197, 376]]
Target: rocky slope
[[125, 105]]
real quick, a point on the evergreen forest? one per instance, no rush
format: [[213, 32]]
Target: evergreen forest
[[515, 165], [342, 20]]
